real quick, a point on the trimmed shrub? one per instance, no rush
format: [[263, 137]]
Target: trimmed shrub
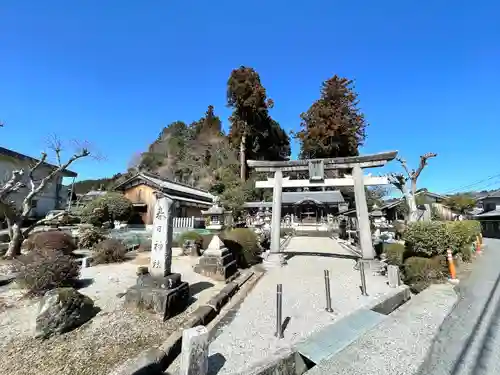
[[395, 253], [436, 237], [244, 244], [462, 235], [89, 237], [192, 236], [52, 240], [427, 238], [109, 250], [41, 270]]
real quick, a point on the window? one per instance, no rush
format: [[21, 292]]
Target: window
[[214, 219]]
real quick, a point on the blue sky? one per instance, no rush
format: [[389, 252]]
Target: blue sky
[[115, 72]]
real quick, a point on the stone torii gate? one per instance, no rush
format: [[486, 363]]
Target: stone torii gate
[[316, 169]]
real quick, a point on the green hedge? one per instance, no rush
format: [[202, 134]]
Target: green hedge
[[244, 244], [436, 237]]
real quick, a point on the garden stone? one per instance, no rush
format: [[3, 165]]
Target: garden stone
[[62, 310]]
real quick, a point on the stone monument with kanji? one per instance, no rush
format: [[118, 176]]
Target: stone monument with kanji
[[157, 288]]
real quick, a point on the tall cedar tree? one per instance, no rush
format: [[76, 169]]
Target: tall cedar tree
[[333, 126], [251, 126]]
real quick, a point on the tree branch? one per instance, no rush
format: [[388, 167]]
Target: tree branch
[[399, 181], [34, 168], [423, 163], [41, 221], [12, 185], [405, 166]]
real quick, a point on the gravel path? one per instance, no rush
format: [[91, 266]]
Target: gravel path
[[249, 338], [112, 336]]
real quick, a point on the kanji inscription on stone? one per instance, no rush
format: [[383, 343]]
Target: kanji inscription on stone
[[161, 256]]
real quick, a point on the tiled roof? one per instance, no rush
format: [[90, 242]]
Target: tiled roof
[[17, 155], [298, 197], [163, 183]]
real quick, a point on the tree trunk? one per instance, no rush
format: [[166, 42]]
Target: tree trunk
[[243, 162], [15, 241]]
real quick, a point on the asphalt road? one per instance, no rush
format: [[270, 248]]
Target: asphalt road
[[468, 342]]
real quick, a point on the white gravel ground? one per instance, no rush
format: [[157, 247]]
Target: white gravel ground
[[109, 338], [249, 338]]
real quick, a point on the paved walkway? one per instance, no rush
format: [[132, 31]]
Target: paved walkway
[[469, 339], [249, 337]]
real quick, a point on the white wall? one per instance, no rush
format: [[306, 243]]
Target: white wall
[[46, 200]]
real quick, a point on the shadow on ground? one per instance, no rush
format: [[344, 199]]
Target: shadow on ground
[[291, 254], [199, 287]]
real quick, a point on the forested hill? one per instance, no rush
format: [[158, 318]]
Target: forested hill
[[202, 155]]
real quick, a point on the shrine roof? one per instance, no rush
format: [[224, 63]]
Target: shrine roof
[[299, 197]]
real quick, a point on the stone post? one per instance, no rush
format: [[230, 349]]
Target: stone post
[[161, 244], [276, 212], [194, 354], [159, 289], [275, 257], [365, 237]]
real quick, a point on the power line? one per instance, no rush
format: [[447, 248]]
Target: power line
[[473, 184]]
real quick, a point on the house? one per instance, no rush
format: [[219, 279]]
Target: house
[[490, 216], [141, 188], [392, 209], [53, 197]]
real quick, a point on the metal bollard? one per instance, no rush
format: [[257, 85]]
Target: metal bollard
[[327, 291], [279, 311], [363, 279]]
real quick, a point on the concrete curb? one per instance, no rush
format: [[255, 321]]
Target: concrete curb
[[154, 361]]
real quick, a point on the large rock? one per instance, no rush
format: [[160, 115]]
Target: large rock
[[62, 310]]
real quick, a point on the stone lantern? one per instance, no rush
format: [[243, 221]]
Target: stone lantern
[[377, 218], [216, 217]]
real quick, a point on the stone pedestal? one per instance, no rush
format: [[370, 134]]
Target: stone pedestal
[[217, 262], [167, 295], [273, 260]]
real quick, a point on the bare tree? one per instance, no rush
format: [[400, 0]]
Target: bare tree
[[25, 181], [400, 180]]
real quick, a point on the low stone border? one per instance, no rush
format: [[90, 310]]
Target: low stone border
[[154, 361]]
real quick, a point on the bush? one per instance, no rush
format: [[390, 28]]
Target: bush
[[108, 207], [52, 240], [244, 244], [427, 238], [88, 237], [94, 214], [41, 270], [191, 236], [109, 250], [436, 237], [119, 207], [418, 269], [395, 253], [462, 235]]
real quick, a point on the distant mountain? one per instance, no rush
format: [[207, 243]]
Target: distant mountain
[[84, 186]]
